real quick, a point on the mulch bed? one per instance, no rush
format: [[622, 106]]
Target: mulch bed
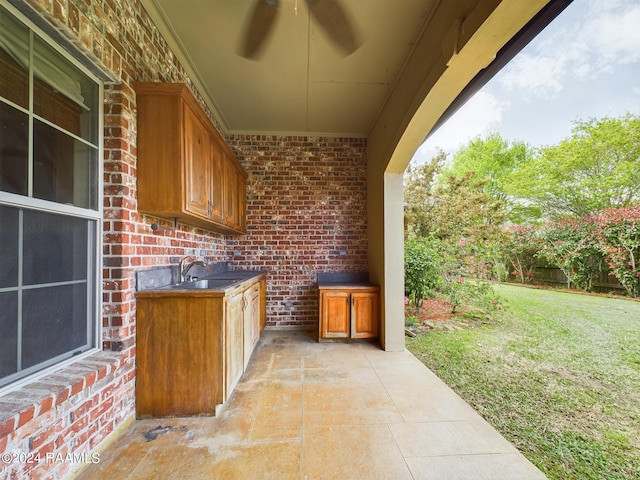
[[434, 309], [435, 315]]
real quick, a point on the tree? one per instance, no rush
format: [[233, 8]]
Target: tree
[[418, 193], [493, 159], [462, 209], [456, 211], [457, 208], [598, 167], [450, 208]]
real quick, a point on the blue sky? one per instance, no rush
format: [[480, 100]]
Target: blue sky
[[585, 64]]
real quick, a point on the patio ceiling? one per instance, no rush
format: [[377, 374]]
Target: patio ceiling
[[301, 82]]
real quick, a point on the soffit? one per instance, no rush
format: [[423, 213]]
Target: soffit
[[301, 83]]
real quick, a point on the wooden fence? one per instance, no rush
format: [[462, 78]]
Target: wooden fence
[[553, 276]]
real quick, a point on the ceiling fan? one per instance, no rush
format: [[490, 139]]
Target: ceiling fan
[[329, 14]]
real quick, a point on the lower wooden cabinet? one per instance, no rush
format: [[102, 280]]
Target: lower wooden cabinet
[[179, 355], [349, 311], [193, 347], [242, 328]]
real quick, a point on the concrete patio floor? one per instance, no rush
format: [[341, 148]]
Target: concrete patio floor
[[309, 410]]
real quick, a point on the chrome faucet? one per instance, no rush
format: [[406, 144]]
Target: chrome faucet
[[184, 267]]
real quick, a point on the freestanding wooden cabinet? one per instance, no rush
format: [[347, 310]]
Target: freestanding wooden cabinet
[[194, 345], [185, 169], [348, 311]]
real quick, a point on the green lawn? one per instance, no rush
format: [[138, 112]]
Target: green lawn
[[558, 374]]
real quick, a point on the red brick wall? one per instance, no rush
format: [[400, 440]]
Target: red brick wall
[[45, 423], [306, 213], [77, 407]]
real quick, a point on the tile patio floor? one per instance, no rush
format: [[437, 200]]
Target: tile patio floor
[[309, 410]]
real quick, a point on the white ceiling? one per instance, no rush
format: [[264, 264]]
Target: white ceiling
[[301, 83]]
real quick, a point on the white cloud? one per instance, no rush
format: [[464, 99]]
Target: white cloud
[[607, 34], [539, 75], [616, 35]]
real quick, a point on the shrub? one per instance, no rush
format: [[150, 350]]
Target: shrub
[[617, 231], [421, 269], [476, 293], [520, 247], [569, 243], [458, 288]]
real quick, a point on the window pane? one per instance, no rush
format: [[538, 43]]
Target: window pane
[[8, 248], [63, 95], [9, 335], [55, 248], [49, 133], [14, 150], [14, 60], [65, 170], [54, 322]]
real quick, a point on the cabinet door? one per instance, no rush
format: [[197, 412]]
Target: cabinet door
[[241, 203], [364, 314], [263, 305], [179, 356], [256, 314], [230, 194], [234, 342], [217, 183], [197, 159], [334, 314], [251, 321]]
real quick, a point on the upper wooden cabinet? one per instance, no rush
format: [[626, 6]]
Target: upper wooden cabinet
[[185, 169]]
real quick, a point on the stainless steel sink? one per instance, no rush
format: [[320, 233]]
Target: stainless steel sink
[[220, 281], [204, 284], [207, 284]]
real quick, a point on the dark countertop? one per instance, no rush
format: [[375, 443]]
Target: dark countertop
[[343, 280], [217, 282], [327, 284]]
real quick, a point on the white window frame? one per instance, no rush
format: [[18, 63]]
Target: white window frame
[[93, 216]]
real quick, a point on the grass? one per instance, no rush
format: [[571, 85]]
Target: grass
[[558, 374]]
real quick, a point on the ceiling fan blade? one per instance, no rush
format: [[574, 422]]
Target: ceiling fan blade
[[334, 20], [260, 24]]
